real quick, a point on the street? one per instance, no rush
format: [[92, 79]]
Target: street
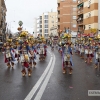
[[51, 84]]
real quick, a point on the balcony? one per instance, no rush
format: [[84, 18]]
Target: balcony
[[79, 1], [80, 23], [80, 11], [58, 1]]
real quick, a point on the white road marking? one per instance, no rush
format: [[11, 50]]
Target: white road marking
[[34, 89], [43, 87]]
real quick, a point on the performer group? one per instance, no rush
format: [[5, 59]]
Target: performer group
[[26, 49]]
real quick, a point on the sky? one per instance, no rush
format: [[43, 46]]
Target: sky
[[27, 11]]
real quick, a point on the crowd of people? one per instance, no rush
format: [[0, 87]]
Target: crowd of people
[[24, 52]]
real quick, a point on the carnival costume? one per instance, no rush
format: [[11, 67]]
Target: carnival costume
[[24, 57], [9, 55], [67, 58], [32, 55], [41, 51]]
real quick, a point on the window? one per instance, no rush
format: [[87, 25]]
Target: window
[[40, 26], [40, 17], [89, 26], [46, 30], [74, 25], [40, 22], [46, 35], [46, 16], [46, 21], [46, 26], [74, 0], [74, 17], [40, 31], [74, 8]]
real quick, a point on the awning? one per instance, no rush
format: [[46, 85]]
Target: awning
[[89, 34]]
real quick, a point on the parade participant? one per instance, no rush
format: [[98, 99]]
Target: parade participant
[[45, 48], [16, 48], [97, 56], [86, 51], [24, 49], [32, 55], [9, 54], [89, 54], [67, 58], [82, 51], [52, 45], [41, 50]]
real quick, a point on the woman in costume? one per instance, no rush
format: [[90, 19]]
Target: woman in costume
[[67, 58], [9, 54], [41, 50], [25, 61]]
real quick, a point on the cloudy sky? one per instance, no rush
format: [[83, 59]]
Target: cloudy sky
[[26, 11]]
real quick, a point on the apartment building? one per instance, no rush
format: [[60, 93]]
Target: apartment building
[[67, 15], [3, 23], [87, 15], [46, 23], [90, 15], [35, 27], [99, 16], [80, 18], [53, 23]]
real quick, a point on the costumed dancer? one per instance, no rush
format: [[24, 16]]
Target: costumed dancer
[[41, 50], [67, 58], [82, 51], [9, 54], [52, 45], [45, 48], [32, 55], [89, 54], [86, 52], [17, 55], [97, 56], [25, 61]]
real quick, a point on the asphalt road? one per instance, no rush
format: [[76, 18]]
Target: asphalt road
[[59, 87]]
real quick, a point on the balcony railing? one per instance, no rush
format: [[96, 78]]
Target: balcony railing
[[80, 23], [80, 11]]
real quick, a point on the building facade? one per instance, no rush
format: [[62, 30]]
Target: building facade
[[3, 23], [35, 27], [87, 16], [46, 23], [67, 15], [90, 15]]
